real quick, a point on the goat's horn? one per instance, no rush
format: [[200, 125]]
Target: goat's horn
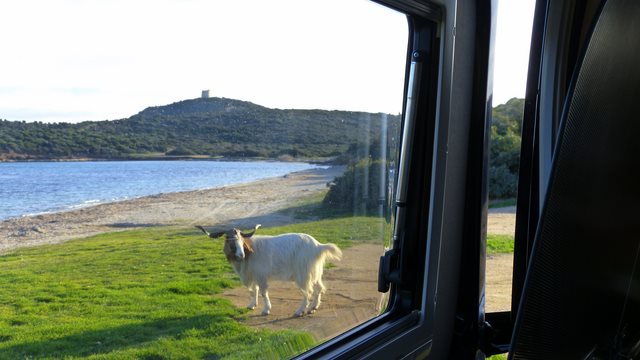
[[251, 233], [213, 236]]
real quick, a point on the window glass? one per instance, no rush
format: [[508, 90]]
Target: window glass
[[513, 36], [133, 132]]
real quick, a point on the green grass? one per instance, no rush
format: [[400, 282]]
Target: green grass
[[345, 227], [152, 294], [498, 357], [499, 244], [142, 294], [343, 232], [310, 207], [145, 294]]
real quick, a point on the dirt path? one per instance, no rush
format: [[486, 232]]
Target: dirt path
[[499, 267]]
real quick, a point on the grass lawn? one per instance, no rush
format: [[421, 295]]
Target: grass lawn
[[499, 244], [143, 294], [149, 294]]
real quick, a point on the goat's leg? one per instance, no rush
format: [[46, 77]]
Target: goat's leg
[[266, 309], [305, 301], [253, 296], [318, 289]]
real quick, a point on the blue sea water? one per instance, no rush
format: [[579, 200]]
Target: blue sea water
[[37, 187]]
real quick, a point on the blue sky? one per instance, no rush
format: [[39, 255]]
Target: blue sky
[[75, 60]]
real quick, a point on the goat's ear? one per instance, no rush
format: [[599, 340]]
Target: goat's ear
[[246, 245]]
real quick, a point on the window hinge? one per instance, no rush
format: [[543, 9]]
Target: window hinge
[[389, 271]]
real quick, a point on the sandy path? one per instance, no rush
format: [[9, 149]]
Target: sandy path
[[352, 296], [499, 266], [502, 221]]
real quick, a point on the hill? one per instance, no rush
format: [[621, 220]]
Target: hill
[[215, 127]]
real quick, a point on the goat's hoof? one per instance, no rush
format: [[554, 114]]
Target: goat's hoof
[[298, 313], [265, 312], [251, 307], [311, 311]]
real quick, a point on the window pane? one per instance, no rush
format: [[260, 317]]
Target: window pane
[[149, 119], [511, 58]]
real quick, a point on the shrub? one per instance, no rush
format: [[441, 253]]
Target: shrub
[[362, 188], [503, 183], [505, 149], [180, 151]]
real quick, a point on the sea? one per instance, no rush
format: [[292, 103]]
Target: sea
[[31, 188]]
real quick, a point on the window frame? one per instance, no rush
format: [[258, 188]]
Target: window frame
[[445, 160], [558, 33]]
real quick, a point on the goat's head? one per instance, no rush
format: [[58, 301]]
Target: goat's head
[[237, 244]]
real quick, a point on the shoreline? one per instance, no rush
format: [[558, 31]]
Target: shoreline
[[326, 161], [242, 205], [91, 203], [49, 191]]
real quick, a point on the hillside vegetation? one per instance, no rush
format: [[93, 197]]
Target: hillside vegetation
[[218, 128], [215, 127], [364, 184]]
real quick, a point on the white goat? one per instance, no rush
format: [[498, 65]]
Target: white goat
[[289, 257]]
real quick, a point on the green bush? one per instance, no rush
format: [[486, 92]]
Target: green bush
[[505, 144], [360, 189], [503, 184]]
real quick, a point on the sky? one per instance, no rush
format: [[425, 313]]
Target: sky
[[76, 60], [511, 53]]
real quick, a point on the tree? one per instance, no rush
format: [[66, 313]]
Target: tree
[[506, 127]]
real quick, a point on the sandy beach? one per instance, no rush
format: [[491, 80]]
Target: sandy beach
[[242, 205]]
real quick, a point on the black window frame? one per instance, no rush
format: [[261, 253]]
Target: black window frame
[[437, 293]]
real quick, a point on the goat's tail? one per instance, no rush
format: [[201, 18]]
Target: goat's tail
[[331, 251]]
